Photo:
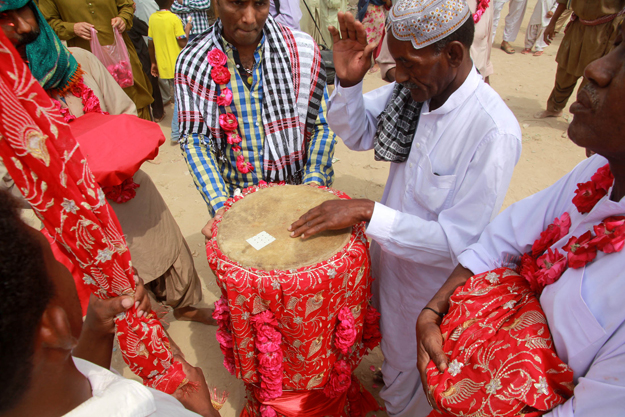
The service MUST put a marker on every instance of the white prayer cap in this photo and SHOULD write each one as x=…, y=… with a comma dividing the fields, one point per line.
x=424, y=22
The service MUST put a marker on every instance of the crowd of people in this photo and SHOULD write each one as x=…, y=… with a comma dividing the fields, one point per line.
x=252, y=105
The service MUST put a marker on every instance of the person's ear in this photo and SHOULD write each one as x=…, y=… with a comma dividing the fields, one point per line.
x=55, y=331
x=455, y=52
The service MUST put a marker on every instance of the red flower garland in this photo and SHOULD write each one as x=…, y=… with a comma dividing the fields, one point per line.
x=345, y=335
x=482, y=5
x=267, y=341
x=224, y=334
x=541, y=269
x=340, y=379
x=227, y=121
x=371, y=335
x=122, y=192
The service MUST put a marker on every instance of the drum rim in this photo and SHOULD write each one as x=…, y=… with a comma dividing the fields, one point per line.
x=358, y=233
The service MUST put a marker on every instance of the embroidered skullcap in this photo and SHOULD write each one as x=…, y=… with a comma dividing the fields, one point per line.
x=424, y=22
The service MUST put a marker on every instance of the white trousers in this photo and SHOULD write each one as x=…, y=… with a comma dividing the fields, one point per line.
x=513, y=19
x=402, y=393
x=534, y=37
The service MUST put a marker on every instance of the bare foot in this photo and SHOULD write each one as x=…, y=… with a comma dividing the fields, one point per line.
x=547, y=113
x=526, y=51
x=202, y=315
x=538, y=53
x=374, y=68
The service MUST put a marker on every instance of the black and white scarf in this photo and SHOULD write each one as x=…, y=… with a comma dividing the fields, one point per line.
x=294, y=79
x=397, y=125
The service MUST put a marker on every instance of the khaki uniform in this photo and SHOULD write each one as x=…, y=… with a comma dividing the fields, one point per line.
x=583, y=44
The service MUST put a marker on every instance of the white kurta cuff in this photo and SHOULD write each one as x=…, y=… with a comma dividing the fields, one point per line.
x=470, y=260
x=381, y=222
x=353, y=91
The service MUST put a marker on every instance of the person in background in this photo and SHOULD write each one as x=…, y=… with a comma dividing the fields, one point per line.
x=482, y=45
x=452, y=144
x=72, y=21
x=543, y=12
x=589, y=36
x=195, y=12
x=514, y=19
x=137, y=33
x=53, y=364
x=286, y=12
x=167, y=37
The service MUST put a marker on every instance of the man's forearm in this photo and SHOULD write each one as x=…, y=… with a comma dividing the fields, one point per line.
x=458, y=277
x=556, y=15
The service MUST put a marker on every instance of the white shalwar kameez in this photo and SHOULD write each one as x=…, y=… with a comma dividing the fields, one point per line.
x=538, y=23
x=116, y=396
x=584, y=308
x=434, y=205
x=513, y=19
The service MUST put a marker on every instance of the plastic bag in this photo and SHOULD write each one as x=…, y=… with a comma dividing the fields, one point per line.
x=114, y=57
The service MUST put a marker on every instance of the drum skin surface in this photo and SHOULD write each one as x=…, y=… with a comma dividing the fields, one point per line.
x=273, y=210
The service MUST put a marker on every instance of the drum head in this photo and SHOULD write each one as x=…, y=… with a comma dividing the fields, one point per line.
x=273, y=210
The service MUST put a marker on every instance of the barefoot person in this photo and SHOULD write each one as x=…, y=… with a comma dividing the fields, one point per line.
x=583, y=306
x=589, y=36
x=159, y=251
x=452, y=144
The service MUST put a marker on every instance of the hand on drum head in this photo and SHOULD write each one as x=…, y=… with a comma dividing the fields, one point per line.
x=332, y=215
x=352, y=53
x=207, y=230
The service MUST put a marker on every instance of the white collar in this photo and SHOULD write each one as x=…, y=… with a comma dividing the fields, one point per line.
x=459, y=96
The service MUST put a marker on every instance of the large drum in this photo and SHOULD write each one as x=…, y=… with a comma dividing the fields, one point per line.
x=294, y=316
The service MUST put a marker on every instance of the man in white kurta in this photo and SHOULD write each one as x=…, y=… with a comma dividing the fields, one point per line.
x=436, y=202
x=584, y=308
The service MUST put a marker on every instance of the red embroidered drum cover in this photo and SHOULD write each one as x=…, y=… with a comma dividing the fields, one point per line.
x=501, y=357
x=294, y=336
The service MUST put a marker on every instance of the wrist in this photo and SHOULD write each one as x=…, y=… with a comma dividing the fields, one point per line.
x=366, y=211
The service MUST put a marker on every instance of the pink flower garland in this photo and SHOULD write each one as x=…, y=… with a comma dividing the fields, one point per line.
x=224, y=335
x=122, y=72
x=345, y=334
x=371, y=335
x=541, y=269
x=340, y=379
x=482, y=5
x=227, y=121
x=267, y=341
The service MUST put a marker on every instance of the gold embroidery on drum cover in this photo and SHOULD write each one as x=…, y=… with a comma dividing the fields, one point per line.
x=315, y=381
x=314, y=303
x=461, y=391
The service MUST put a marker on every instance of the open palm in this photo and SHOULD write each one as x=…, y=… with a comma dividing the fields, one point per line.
x=352, y=53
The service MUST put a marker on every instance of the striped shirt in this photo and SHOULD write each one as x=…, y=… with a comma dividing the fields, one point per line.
x=217, y=180
x=196, y=9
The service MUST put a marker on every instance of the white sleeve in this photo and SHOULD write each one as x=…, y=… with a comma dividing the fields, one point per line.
x=513, y=232
x=601, y=392
x=478, y=198
x=353, y=117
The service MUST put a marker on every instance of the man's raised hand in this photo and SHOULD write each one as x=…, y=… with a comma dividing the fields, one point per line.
x=352, y=53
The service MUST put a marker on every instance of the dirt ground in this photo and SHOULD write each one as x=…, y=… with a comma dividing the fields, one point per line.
x=523, y=81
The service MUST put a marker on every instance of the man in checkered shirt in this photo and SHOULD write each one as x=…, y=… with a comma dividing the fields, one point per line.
x=270, y=81
x=196, y=10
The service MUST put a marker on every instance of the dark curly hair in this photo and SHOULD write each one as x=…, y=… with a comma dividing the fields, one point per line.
x=25, y=291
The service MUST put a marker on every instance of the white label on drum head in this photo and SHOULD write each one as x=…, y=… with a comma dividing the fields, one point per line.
x=260, y=240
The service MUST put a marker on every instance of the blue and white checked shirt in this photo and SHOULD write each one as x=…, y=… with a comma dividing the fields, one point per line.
x=216, y=180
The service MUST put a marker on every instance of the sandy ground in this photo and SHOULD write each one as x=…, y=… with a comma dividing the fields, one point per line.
x=523, y=81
